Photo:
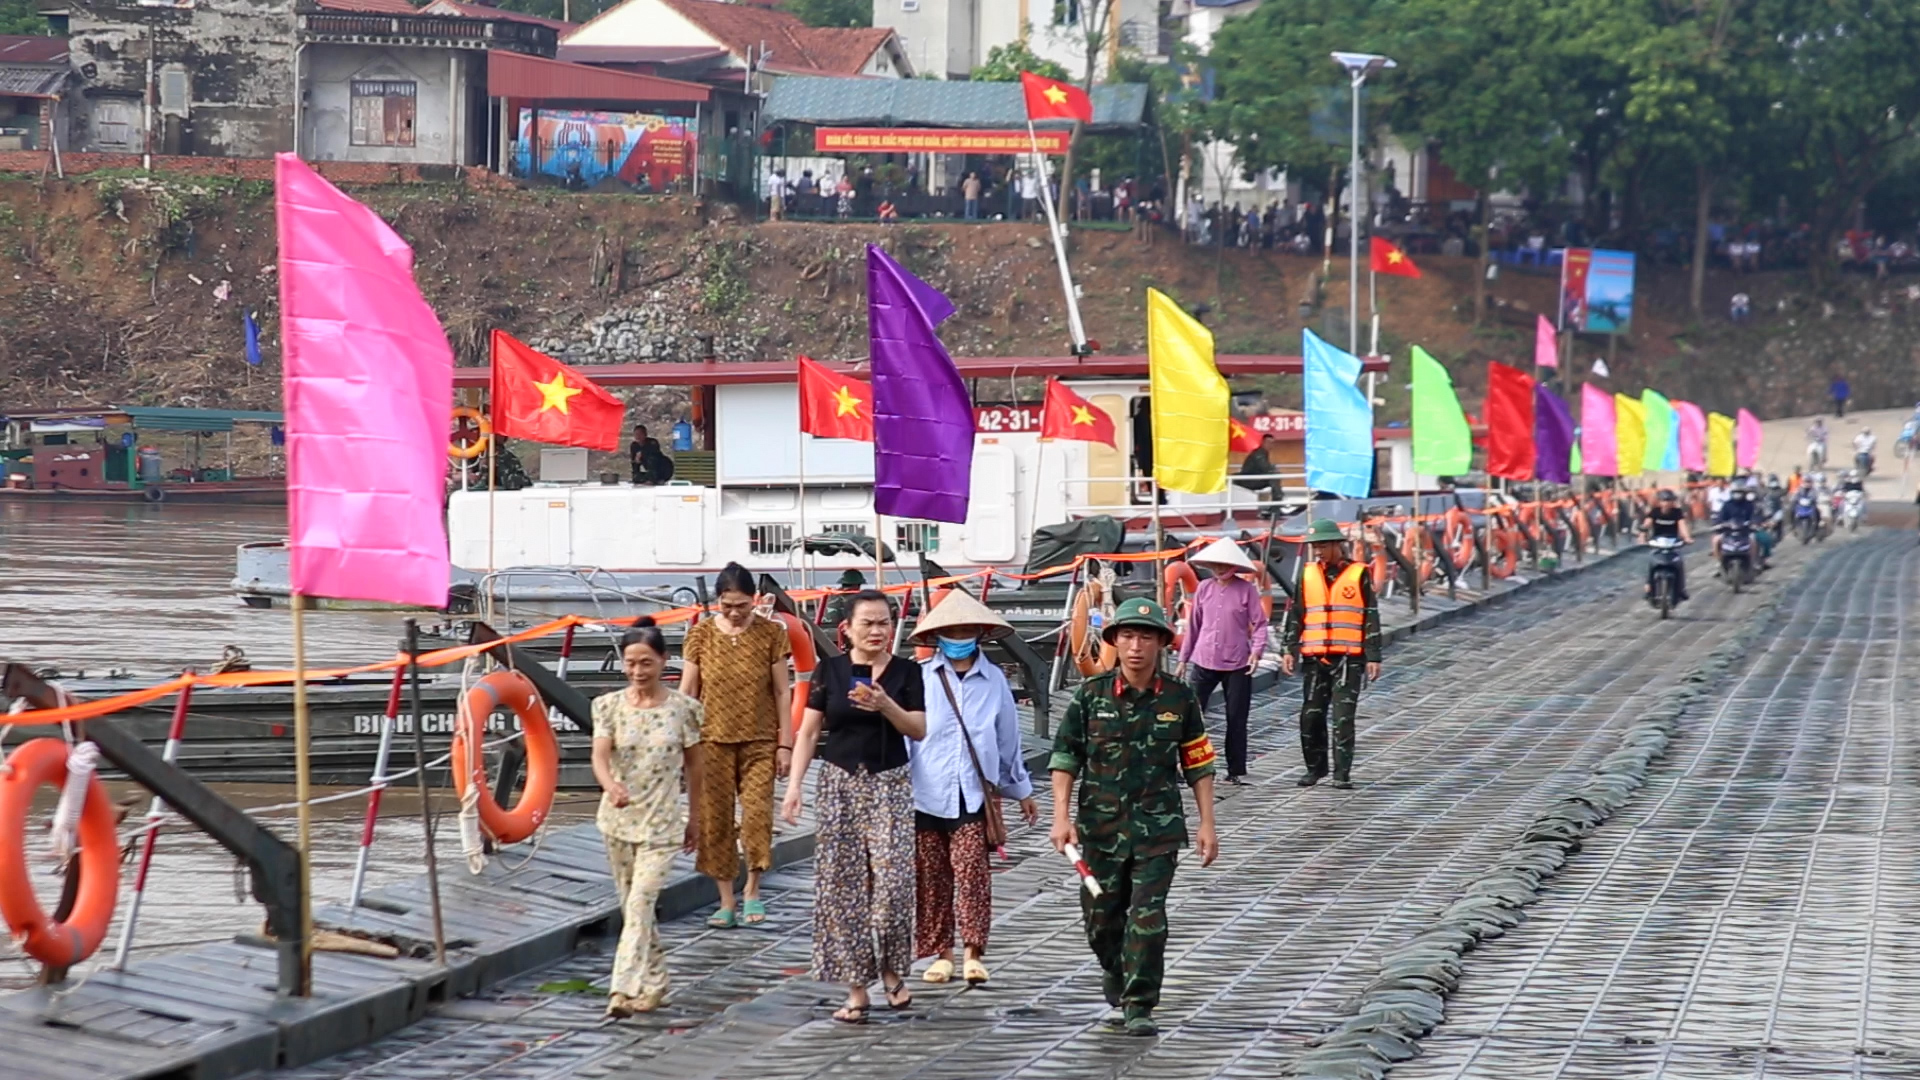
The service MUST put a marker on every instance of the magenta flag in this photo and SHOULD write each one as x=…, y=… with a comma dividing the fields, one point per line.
x=1693, y=436
x=1599, y=454
x=1552, y=437
x=922, y=413
x=1546, y=344
x=368, y=390
x=1746, y=440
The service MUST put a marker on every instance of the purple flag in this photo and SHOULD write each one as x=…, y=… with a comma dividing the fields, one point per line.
x=1552, y=436
x=922, y=413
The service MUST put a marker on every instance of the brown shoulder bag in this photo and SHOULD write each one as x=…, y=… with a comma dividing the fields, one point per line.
x=990, y=792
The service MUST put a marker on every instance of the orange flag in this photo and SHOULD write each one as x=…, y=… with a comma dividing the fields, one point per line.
x=834, y=406
x=1388, y=259
x=537, y=397
x=1067, y=415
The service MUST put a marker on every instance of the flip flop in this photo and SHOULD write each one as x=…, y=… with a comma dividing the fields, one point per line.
x=754, y=910
x=852, y=1014
x=724, y=919
x=894, y=990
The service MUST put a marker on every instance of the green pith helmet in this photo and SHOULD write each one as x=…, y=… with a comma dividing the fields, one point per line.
x=1325, y=531
x=1138, y=612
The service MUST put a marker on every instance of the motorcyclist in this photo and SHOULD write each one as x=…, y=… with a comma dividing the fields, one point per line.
x=1774, y=504
x=1863, y=445
x=1667, y=519
x=1817, y=442
x=1740, y=510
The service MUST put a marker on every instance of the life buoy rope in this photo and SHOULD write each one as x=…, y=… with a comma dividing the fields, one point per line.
x=511, y=690
x=1091, y=655
x=66, y=941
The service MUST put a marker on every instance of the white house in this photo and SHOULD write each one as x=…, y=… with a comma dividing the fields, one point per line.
x=666, y=37
x=949, y=38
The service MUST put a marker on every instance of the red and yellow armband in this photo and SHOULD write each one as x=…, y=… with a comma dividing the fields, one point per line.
x=1196, y=753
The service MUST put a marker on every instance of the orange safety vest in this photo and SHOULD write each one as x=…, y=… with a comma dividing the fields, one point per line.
x=1332, y=624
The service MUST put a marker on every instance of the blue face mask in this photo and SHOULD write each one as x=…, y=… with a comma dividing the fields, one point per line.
x=958, y=648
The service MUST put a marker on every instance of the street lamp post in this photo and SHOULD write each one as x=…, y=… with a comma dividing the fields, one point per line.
x=1358, y=67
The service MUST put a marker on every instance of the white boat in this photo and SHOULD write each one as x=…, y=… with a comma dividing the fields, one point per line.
x=575, y=538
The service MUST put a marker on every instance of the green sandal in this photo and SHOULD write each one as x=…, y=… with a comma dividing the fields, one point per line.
x=724, y=919
x=754, y=911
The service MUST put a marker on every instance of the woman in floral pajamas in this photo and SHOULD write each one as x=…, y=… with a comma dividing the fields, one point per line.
x=643, y=745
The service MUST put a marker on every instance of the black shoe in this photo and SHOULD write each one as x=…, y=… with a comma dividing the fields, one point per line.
x=1310, y=779
x=1142, y=1025
x=1110, y=988
x=1341, y=783
x=1237, y=780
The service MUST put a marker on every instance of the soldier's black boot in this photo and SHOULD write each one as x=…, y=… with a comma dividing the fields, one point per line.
x=1341, y=783
x=1141, y=1023
x=1309, y=779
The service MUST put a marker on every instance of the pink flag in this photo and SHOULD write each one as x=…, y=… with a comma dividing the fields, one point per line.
x=1693, y=436
x=1746, y=440
x=1546, y=344
x=1599, y=455
x=369, y=393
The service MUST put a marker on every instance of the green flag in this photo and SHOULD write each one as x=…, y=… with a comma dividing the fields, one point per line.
x=1663, y=432
x=1442, y=444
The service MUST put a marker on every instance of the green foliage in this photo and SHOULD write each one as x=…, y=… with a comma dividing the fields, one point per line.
x=21, y=17
x=831, y=13
x=1006, y=62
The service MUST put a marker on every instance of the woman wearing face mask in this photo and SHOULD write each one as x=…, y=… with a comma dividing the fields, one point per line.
x=644, y=741
x=1226, y=633
x=863, y=707
x=973, y=735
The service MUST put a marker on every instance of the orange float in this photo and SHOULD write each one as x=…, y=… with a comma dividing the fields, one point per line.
x=54, y=942
x=800, y=644
x=508, y=689
x=1091, y=655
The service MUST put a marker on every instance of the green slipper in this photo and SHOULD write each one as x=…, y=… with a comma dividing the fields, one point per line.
x=754, y=910
x=722, y=919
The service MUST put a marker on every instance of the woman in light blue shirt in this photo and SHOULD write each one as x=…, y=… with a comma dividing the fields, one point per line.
x=979, y=739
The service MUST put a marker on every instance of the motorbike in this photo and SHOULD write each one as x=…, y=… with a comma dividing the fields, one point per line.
x=1736, y=554
x=1806, y=516
x=1816, y=455
x=1863, y=461
x=1664, y=574
x=1853, y=508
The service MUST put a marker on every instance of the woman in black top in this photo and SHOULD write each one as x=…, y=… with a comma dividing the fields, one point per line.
x=869, y=702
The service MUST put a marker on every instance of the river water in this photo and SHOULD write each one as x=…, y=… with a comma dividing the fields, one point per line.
x=146, y=589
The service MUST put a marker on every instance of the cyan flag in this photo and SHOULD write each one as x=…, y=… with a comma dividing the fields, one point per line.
x=1339, y=422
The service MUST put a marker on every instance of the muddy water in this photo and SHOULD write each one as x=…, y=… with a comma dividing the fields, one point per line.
x=145, y=588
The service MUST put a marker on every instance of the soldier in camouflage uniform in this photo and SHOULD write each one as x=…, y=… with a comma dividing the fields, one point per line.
x=1333, y=635
x=1132, y=737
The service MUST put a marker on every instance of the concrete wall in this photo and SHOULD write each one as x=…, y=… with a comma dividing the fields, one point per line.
x=223, y=70
x=938, y=35
x=443, y=79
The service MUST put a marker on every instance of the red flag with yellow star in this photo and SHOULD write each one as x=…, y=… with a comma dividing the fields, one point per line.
x=1388, y=259
x=1051, y=99
x=1242, y=439
x=537, y=397
x=1066, y=415
x=834, y=406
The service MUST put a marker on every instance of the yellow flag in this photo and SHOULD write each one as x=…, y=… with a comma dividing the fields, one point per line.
x=1719, y=445
x=1189, y=401
x=1630, y=433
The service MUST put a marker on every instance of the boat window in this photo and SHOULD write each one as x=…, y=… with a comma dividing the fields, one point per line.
x=844, y=528
x=769, y=538
x=917, y=536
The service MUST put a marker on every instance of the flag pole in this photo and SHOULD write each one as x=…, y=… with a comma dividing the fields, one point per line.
x=493, y=457
x=1373, y=309
x=303, y=792
x=806, y=565
x=1054, y=230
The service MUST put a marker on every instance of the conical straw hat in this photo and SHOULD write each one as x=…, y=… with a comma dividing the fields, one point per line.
x=1222, y=552
x=960, y=609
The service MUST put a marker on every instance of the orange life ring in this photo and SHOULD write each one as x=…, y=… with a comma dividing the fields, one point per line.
x=800, y=644
x=511, y=689
x=1091, y=656
x=1459, y=534
x=925, y=652
x=1178, y=584
x=475, y=447
x=1506, y=551
x=43, y=763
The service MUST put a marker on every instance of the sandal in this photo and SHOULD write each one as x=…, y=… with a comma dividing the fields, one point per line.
x=619, y=1007
x=852, y=1014
x=938, y=972
x=754, y=911
x=894, y=1001
x=976, y=972
x=724, y=919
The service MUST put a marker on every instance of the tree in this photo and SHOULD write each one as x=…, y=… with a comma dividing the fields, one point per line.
x=21, y=17
x=831, y=13
x=1004, y=63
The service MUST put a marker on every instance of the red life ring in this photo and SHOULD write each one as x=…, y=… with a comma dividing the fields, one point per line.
x=800, y=644
x=64, y=943
x=511, y=689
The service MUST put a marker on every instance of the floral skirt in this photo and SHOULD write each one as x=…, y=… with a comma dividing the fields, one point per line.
x=863, y=877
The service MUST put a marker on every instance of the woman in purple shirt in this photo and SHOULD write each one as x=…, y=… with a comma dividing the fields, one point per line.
x=1226, y=633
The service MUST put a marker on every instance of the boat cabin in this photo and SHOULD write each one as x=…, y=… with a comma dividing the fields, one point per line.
x=775, y=496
